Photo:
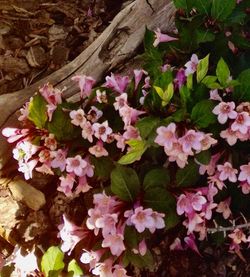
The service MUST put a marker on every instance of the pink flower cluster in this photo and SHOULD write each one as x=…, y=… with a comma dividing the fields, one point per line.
x=239, y=126
x=178, y=149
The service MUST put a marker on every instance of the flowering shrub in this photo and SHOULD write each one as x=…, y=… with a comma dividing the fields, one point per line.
x=168, y=145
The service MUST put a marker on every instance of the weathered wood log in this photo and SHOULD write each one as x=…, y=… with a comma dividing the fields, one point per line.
x=117, y=44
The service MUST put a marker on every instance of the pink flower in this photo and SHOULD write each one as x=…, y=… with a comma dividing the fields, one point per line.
x=131, y=133
x=214, y=95
x=190, y=242
x=191, y=66
x=211, y=167
x=181, y=78
x=44, y=156
x=121, y=101
x=107, y=223
x=119, y=271
x=142, y=219
x=120, y=141
x=98, y=150
x=117, y=83
x=115, y=243
x=91, y=257
x=241, y=123
x=142, y=247
x=15, y=134
x=193, y=222
x=245, y=187
x=138, y=73
x=76, y=165
x=191, y=139
x=103, y=269
x=94, y=114
x=207, y=141
x=177, y=155
x=27, y=167
x=225, y=110
x=214, y=180
x=94, y=215
x=129, y=115
x=24, y=111
x=166, y=136
x=189, y=202
x=45, y=169
x=176, y=245
x=66, y=184
x=245, y=173
x=227, y=172
x=50, y=142
x=59, y=159
x=105, y=203
x=87, y=131
x=230, y=136
x=52, y=95
x=101, y=131
x=158, y=221
x=71, y=235
x=82, y=186
x=85, y=83
x=101, y=96
x=224, y=208
x=159, y=37
x=24, y=150
x=238, y=236
x=78, y=117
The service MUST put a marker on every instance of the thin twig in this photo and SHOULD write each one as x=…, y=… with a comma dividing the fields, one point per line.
x=226, y=229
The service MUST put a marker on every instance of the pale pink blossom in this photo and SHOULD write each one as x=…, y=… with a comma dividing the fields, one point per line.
x=94, y=114
x=120, y=141
x=101, y=96
x=120, y=101
x=214, y=95
x=238, y=236
x=216, y=181
x=230, y=136
x=71, y=235
x=177, y=155
x=190, y=243
x=66, y=184
x=98, y=150
x=52, y=95
x=131, y=133
x=129, y=115
x=189, y=202
x=78, y=117
x=91, y=257
x=241, y=123
x=245, y=187
x=119, y=271
x=89, y=168
x=94, y=215
x=166, y=136
x=87, y=131
x=207, y=141
x=176, y=245
x=227, y=172
x=76, y=165
x=15, y=134
x=138, y=73
x=193, y=221
x=85, y=83
x=59, y=159
x=147, y=83
x=159, y=37
x=117, y=82
x=105, y=203
x=24, y=111
x=82, y=186
x=191, y=66
x=103, y=269
x=45, y=155
x=142, y=247
x=45, y=169
x=107, y=223
x=50, y=142
x=142, y=219
x=208, y=209
x=24, y=150
x=211, y=167
x=180, y=79
x=225, y=110
x=245, y=173
x=191, y=140
x=101, y=130
x=27, y=168
x=224, y=208
x=115, y=243
x=159, y=222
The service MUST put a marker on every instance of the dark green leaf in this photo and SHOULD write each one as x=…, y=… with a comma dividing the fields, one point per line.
x=158, y=177
x=139, y=261
x=184, y=94
x=74, y=268
x=209, y=81
x=222, y=72
x=131, y=237
x=202, y=114
x=147, y=126
x=222, y=9
x=61, y=125
x=202, y=68
x=204, y=35
x=125, y=183
x=188, y=175
x=103, y=167
x=203, y=157
x=181, y=4
x=52, y=260
x=242, y=92
x=38, y=111
x=157, y=198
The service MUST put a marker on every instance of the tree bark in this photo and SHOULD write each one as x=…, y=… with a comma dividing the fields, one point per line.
x=116, y=45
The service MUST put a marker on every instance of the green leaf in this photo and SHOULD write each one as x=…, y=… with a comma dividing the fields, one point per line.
x=75, y=269
x=222, y=72
x=38, y=111
x=125, y=183
x=202, y=68
x=139, y=261
x=61, y=125
x=138, y=147
x=52, y=260
x=202, y=114
x=147, y=125
x=184, y=94
x=181, y=4
x=131, y=237
x=222, y=9
x=158, y=177
x=188, y=175
x=204, y=36
x=103, y=167
x=203, y=157
x=242, y=92
x=157, y=198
